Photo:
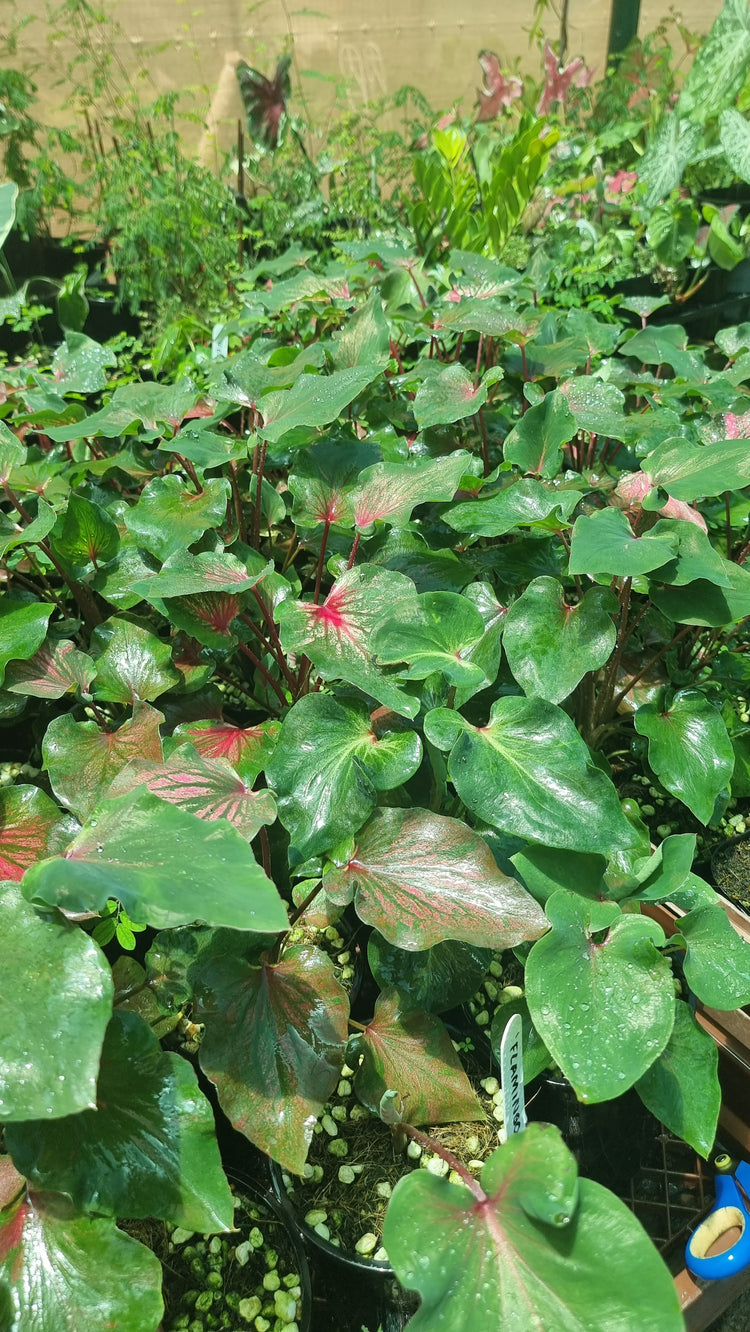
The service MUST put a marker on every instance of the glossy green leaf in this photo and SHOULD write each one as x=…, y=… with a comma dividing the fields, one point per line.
x=184, y=574
x=205, y=616
x=55, y=1003
x=337, y=634
x=56, y=668
x=545, y=869
x=329, y=763
x=152, y=405
x=717, y=963
x=437, y=978
x=169, y=517
x=28, y=820
x=8, y=197
x=148, y=1148
x=688, y=748
x=538, y=1250
x=313, y=400
x=666, y=345
x=165, y=866
x=364, y=339
x=681, y=1088
x=528, y=772
x=702, y=602
x=671, y=231
x=82, y=760
x=735, y=140
x=247, y=748
x=688, y=471
x=322, y=479
x=88, y=534
x=522, y=504
x=409, y=1051
x=603, y=543
x=597, y=407
x=450, y=395
x=12, y=451
x=420, y=878
x=205, y=448
x=274, y=1041
x=550, y=645
x=389, y=492
x=209, y=788
x=131, y=663
x=696, y=557
x=433, y=632
x=80, y=364
x=57, y=1270
x=600, y=994
x=23, y=629
x=536, y=442
x=13, y=533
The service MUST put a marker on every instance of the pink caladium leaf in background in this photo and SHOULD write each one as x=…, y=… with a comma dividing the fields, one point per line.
x=498, y=91
x=559, y=80
x=265, y=100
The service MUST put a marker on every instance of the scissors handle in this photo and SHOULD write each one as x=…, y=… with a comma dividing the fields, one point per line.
x=729, y=1212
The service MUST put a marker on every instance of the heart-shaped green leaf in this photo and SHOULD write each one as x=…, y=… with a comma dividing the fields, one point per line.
x=535, y=443
x=168, y=517
x=410, y=1052
x=165, y=866
x=681, y=1088
x=82, y=760
x=603, y=543
x=210, y=571
x=364, y=339
x=53, y=1014
x=148, y=1148
x=389, y=492
x=437, y=978
x=687, y=471
x=529, y=772
x=550, y=645
x=57, y=1270
x=600, y=994
x=420, y=878
x=88, y=535
x=448, y=396
x=132, y=663
x=323, y=477
x=153, y=405
x=688, y=748
x=522, y=504
x=434, y=632
x=23, y=629
x=717, y=963
x=538, y=1249
x=274, y=1040
x=328, y=765
x=703, y=603
x=314, y=400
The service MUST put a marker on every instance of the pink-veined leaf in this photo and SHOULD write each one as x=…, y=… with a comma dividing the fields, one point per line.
x=185, y=574
x=247, y=748
x=390, y=491
x=409, y=1051
x=57, y=668
x=207, y=616
x=208, y=788
x=27, y=820
x=420, y=878
x=82, y=760
x=498, y=91
x=265, y=100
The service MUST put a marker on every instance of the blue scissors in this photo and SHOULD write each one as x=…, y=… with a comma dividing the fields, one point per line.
x=729, y=1214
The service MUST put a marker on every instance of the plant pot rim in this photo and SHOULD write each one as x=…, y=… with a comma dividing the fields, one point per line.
x=285, y=1214
x=306, y=1233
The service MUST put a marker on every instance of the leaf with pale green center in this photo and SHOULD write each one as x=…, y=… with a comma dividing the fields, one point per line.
x=690, y=471
x=666, y=345
x=604, y=1006
x=56, y=668
x=717, y=963
x=543, y=1251
x=206, y=448
x=313, y=401
x=524, y=503
x=82, y=760
x=434, y=632
x=28, y=819
x=409, y=1051
x=23, y=629
x=54, y=1013
x=274, y=1040
x=681, y=1088
x=337, y=634
x=247, y=748
x=701, y=602
x=165, y=866
x=487, y=652
x=597, y=407
x=529, y=772
x=329, y=763
x=436, y=978
x=603, y=543
x=364, y=339
x=535, y=444
x=451, y=395
x=210, y=571
x=735, y=140
x=420, y=878
x=689, y=749
x=57, y=1270
x=152, y=405
x=148, y=1148
x=79, y=365
x=88, y=534
x=131, y=663
x=389, y=492
x=208, y=788
x=550, y=645
x=169, y=517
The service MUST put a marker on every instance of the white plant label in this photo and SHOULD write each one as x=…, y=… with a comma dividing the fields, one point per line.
x=511, y=1076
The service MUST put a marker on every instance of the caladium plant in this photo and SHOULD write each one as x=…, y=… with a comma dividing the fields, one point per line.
x=380, y=613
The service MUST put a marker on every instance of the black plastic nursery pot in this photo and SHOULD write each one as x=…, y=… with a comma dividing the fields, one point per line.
x=608, y=1140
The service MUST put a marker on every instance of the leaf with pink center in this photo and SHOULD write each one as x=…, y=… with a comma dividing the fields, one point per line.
x=57, y=668
x=314, y=400
x=420, y=878
x=337, y=634
x=82, y=760
x=274, y=1040
x=451, y=395
x=207, y=616
x=247, y=748
x=27, y=821
x=184, y=574
x=208, y=788
x=409, y=1051
x=389, y=492
x=323, y=478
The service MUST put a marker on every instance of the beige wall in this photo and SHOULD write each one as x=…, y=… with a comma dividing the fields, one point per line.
x=364, y=47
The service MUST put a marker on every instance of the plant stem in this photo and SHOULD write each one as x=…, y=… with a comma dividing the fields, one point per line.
x=237, y=500
x=485, y=446
x=656, y=657
x=265, y=852
x=261, y=459
x=302, y=908
x=321, y=561
x=258, y=664
x=601, y=709
x=354, y=549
